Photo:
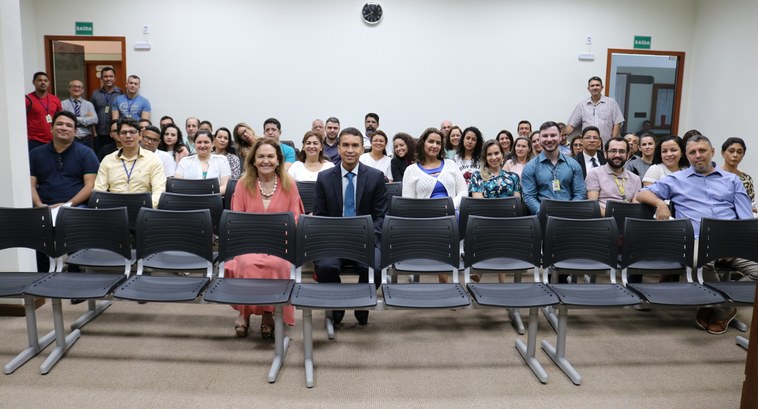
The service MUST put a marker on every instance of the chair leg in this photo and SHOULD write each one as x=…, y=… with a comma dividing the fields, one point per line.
x=515, y=316
x=527, y=351
x=558, y=354
x=743, y=342
x=93, y=310
x=62, y=342
x=308, y=346
x=552, y=319
x=281, y=344
x=329, y=324
x=738, y=325
x=35, y=344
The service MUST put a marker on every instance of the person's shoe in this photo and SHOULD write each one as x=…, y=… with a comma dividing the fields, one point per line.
x=267, y=331
x=719, y=326
x=361, y=316
x=337, y=316
x=77, y=301
x=240, y=327
x=703, y=318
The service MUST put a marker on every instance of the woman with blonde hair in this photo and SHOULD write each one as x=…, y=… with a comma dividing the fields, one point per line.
x=244, y=139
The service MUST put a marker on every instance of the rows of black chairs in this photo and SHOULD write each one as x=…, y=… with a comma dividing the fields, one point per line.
x=183, y=241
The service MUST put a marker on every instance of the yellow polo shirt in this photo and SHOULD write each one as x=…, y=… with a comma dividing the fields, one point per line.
x=142, y=173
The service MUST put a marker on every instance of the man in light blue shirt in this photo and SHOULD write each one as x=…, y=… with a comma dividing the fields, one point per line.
x=551, y=174
x=131, y=105
x=704, y=190
x=272, y=128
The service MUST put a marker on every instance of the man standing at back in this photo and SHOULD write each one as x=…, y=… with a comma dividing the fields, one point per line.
x=350, y=189
x=103, y=99
x=131, y=105
x=371, y=121
x=84, y=112
x=524, y=128
x=40, y=108
x=331, y=149
x=272, y=128
x=551, y=174
x=597, y=110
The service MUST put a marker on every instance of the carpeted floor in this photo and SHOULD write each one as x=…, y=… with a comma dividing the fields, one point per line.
x=186, y=356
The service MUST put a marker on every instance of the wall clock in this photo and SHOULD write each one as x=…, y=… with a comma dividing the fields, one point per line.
x=372, y=13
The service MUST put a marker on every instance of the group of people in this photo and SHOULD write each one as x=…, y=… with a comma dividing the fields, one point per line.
x=351, y=167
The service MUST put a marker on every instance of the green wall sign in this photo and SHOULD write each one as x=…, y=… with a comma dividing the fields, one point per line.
x=642, y=42
x=83, y=28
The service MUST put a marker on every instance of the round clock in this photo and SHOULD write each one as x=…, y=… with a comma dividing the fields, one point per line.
x=372, y=13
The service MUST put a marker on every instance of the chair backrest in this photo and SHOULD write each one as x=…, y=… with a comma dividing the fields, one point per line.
x=193, y=186
x=580, y=239
x=231, y=185
x=307, y=192
x=410, y=238
x=132, y=201
x=320, y=237
x=188, y=231
x=657, y=245
x=81, y=229
x=29, y=228
x=178, y=201
x=394, y=189
x=620, y=211
x=570, y=209
x=415, y=208
x=727, y=238
x=494, y=207
x=518, y=238
x=261, y=233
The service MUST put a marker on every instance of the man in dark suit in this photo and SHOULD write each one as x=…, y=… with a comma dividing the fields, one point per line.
x=332, y=198
x=591, y=156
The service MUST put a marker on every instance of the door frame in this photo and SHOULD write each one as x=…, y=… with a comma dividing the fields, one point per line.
x=48, y=39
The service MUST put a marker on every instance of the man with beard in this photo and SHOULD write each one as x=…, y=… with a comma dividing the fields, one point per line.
x=551, y=174
x=612, y=181
x=331, y=150
x=40, y=108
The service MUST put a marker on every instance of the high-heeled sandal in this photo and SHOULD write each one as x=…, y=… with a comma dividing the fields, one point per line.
x=267, y=330
x=241, y=328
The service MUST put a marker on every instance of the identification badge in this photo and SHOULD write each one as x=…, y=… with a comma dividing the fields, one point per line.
x=556, y=185
x=49, y=119
x=107, y=109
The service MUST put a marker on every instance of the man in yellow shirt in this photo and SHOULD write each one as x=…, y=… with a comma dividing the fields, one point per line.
x=131, y=169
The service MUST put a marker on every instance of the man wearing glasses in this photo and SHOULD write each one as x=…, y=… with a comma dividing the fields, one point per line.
x=131, y=169
x=86, y=118
x=590, y=157
x=151, y=137
x=62, y=172
x=612, y=181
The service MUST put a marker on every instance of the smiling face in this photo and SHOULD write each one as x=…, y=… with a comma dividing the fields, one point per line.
x=616, y=154
x=221, y=142
x=266, y=160
x=524, y=129
x=522, y=149
x=170, y=136
x=432, y=147
x=455, y=137
x=577, y=146
x=733, y=155
x=647, y=146
x=64, y=130
x=312, y=147
x=503, y=140
x=494, y=158
x=591, y=142
x=550, y=138
x=595, y=88
x=132, y=85
x=129, y=136
x=535, y=137
x=378, y=143
x=203, y=145
x=401, y=149
x=350, y=148
x=109, y=78
x=700, y=155
x=670, y=154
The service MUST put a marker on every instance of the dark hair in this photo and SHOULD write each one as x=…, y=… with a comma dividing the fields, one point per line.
x=382, y=134
x=350, y=131
x=273, y=121
x=689, y=134
x=107, y=68
x=230, y=147
x=152, y=128
x=476, y=154
x=206, y=123
x=549, y=124
x=125, y=121
x=579, y=137
x=590, y=128
x=528, y=144
x=179, y=139
x=524, y=121
x=371, y=115
x=67, y=114
x=206, y=133
x=595, y=78
x=135, y=77
x=657, y=158
x=409, y=157
x=320, y=137
x=39, y=73
x=509, y=135
x=617, y=139
x=448, y=144
x=422, y=140
x=731, y=141
x=166, y=117
x=149, y=122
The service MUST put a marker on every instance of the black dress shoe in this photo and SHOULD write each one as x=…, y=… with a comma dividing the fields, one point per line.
x=361, y=316
x=75, y=301
x=337, y=316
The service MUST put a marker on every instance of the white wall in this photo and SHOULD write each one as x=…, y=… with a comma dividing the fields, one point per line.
x=480, y=62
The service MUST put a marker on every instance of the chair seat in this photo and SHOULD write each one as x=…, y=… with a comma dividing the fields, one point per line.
x=513, y=295
x=75, y=285
x=245, y=291
x=656, y=265
x=595, y=295
x=502, y=264
x=100, y=258
x=14, y=284
x=689, y=294
x=581, y=264
x=425, y=295
x=161, y=289
x=737, y=291
x=423, y=266
x=176, y=260
x=334, y=295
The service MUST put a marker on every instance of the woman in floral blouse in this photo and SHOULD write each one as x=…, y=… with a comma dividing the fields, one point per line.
x=491, y=180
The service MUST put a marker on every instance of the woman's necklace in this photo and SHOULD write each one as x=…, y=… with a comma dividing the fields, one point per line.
x=313, y=166
x=273, y=190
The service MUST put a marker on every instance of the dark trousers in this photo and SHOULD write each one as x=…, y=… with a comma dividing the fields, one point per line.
x=328, y=269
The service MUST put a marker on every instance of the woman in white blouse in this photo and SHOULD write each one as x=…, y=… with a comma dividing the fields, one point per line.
x=204, y=164
x=377, y=158
x=668, y=158
x=310, y=160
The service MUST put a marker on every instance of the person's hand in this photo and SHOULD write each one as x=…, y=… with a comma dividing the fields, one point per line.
x=662, y=212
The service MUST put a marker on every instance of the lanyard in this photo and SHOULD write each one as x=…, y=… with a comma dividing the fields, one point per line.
x=620, y=185
x=128, y=172
x=47, y=98
x=130, y=102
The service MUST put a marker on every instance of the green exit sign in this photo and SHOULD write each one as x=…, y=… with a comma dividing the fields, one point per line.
x=83, y=28
x=642, y=42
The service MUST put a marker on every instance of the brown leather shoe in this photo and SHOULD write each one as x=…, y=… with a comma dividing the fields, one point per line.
x=718, y=327
x=703, y=318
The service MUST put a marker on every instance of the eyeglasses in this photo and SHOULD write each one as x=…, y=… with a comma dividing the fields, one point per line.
x=149, y=139
x=617, y=151
x=129, y=132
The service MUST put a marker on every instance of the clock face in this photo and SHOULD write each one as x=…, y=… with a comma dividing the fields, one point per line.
x=372, y=13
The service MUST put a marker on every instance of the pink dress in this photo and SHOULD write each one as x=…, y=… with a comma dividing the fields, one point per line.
x=263, y=265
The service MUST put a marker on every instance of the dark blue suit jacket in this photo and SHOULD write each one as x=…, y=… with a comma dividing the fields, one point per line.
x=370, y=195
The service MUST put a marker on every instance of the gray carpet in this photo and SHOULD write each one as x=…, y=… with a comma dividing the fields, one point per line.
x=186, y=356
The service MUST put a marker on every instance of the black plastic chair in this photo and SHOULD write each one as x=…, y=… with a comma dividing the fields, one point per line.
x=509, y=245
x=307, y=192
x=176, y=241
x=586, y=245
x=132, y=201
x=411, y=207
x=29, y=228
x=193, y=186
x=394, y=189
x=620, y=211
x=90, y=237
x=178, y=201
x=231, y=186
x=321, y=237
x=264, y=233
x=573, y=209
x=729, y=238
x=495, y=207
